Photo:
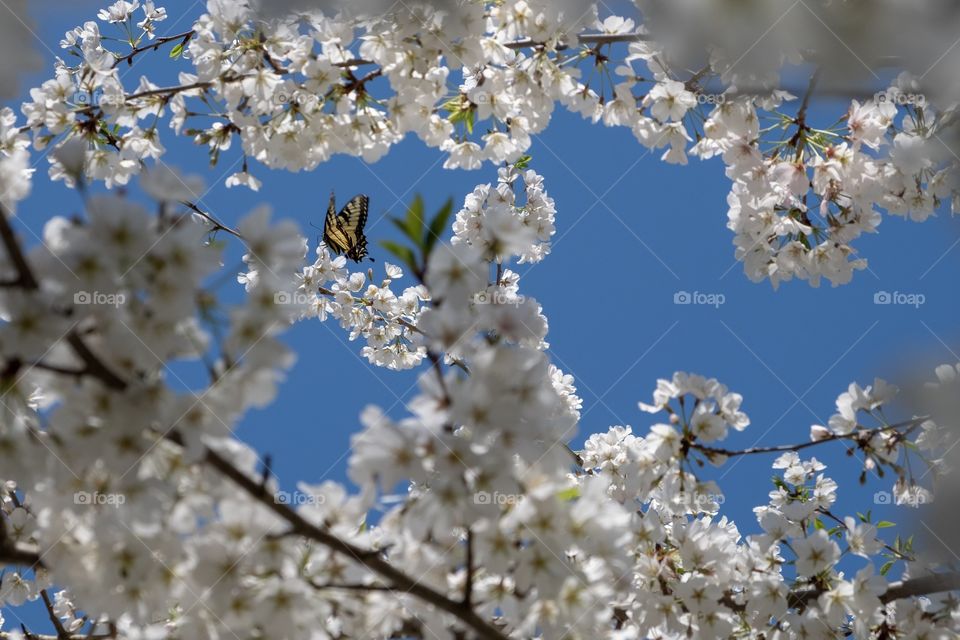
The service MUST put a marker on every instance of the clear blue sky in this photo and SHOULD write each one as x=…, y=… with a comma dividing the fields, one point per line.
x=631, y=232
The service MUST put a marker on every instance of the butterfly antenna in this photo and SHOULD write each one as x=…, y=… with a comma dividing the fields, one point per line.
x=320, y=229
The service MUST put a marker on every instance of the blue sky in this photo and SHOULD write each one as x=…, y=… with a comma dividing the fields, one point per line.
x=631, y=233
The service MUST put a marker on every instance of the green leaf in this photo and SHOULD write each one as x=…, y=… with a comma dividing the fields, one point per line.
x=886, y=567
x=176, y=51
x=818, y=525
x=405, y=254
x=402, y=225
x=885, y=524
x=437, y=226
x=569, y=494
x=414, y=221
x=523, y=162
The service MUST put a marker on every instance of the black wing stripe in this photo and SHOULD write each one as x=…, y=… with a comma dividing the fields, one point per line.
x=343, y=232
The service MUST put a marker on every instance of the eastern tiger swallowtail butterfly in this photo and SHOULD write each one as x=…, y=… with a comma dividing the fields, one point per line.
x=343, y=232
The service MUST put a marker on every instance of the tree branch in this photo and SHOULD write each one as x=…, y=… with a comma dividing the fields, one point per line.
x=12, y=553
x=62, y=633
x=910, y=588
x=94, y=366
x=217, y=225
x=862, y=434
x=588, y=38
x=399, y=581
x=155, y=44
x=922, y=586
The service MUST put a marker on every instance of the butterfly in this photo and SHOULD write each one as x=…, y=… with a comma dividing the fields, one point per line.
x=343, y=232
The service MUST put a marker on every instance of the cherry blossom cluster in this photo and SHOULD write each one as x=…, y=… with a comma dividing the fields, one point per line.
x=478, y=80
x=492, y=216
x=502, y=530
x=130, y=510
x=797, y=207
x=388, y=322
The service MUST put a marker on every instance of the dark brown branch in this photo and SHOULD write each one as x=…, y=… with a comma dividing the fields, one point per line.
x=398, y=580
x=922, y=586
x=62, y=633
x=19, y=260
x=352, y=586
x=217, y=225
x=862, y=434
x=94, y=366
x=155, y=44
x=911, y=588
x=471, y=569
x=588, y=38
x=12, y=553
x=805, y=104
x=169, y=90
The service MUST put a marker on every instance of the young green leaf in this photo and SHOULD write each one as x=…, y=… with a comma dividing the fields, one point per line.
x=405, y=254
x=414, y=219
x=437, y=226
x=523, y=162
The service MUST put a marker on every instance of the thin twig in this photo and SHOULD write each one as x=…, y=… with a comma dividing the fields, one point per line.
x=863, y=434
x=155, y=44
x=62, y=633
x=217, y=225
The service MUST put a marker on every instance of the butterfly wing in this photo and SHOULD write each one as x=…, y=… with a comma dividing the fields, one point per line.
x=334, y=237
x=350, y=223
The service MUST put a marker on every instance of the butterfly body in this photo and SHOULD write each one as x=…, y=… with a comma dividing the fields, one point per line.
x=343, y=231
